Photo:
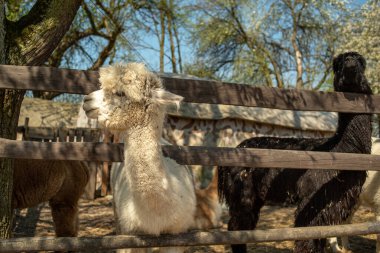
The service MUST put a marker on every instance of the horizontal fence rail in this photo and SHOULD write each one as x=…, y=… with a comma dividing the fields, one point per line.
x=193, y=90
x=192, y=155
x=185, y=239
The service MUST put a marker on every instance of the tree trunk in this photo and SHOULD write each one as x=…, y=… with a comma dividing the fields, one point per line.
x=2, y=32
x=297, y=51
x=9, y=100
x=162, y=38
x=32, y=39
x=28, y=41
x=5, y=198
x=175, y=30
x=6, y=171
x=298, y=56
x=171, y=39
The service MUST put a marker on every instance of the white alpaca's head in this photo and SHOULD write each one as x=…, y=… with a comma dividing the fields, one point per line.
x=130, y=95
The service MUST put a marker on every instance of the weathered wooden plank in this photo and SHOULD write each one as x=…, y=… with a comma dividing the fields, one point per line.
x=48, y=79
x=86, y=151
x=105, y=168
x=184, y=239
x=271, y=158
x=194, y=90
x=265, y=158
x=79, y=134
x=62, y=134
x=212, y=92
x=41, y=132
x=71, y=135
x=74, y=134
x=91, y=135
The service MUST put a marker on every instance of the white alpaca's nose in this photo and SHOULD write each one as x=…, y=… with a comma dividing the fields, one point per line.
x=92, y=102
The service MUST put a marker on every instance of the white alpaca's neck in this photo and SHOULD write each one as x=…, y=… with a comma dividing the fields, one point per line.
x=144, y=167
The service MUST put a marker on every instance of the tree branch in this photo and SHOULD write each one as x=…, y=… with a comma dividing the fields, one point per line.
x=109, y=14
x=106, y=51
x=90, y=17
x=66, y=43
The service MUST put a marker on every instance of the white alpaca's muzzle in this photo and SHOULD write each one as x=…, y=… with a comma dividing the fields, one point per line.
x=92, y=103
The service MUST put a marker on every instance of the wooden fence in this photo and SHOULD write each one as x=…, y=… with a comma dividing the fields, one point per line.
x=197, y=91
x=58, y=134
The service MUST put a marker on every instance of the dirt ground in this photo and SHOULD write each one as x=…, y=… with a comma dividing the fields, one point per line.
x=96, y=219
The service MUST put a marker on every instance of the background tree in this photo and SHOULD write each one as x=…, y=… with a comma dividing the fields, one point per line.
x=163, y=20
x=362, y=34
x=29, y=40
x=101, y=27
x=277, y=43
x=92, y=39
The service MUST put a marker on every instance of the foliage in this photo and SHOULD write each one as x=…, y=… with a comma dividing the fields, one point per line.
x=98, y=29
x=94, y=35
x=109, y=31
x=17, y=8
x=162, y=21
x=362, y=34
x=285, y=43
x=273, y=43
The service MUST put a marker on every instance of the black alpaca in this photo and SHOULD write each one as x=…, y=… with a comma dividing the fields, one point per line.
x=323, y=197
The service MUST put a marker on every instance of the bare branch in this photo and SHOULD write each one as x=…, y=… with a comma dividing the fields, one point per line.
x=106, y=51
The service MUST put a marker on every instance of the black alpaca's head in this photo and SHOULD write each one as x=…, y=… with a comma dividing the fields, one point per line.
x=349, y=75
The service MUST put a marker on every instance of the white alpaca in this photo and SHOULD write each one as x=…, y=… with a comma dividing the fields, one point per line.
x=370, y=196
x=152, y=194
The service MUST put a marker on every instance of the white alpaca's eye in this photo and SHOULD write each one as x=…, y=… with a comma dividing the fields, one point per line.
x=120, y=93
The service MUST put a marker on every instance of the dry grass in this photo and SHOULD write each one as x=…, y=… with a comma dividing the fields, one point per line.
x=97, y=220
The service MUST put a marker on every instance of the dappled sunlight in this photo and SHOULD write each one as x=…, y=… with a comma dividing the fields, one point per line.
x=96, y=219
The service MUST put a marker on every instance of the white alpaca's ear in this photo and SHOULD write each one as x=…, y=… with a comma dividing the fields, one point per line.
x=164, y=97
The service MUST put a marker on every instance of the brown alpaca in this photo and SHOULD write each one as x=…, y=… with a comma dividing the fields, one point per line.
x=59, y=182
x=209, y=210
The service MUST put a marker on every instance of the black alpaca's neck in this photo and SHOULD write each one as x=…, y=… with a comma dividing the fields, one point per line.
x=353, y=133
x=354, y=130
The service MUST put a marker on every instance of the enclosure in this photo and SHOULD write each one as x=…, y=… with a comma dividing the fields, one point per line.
x=196, y=91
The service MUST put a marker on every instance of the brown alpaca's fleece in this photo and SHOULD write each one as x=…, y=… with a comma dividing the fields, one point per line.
x=59, y=182
x=209, y=209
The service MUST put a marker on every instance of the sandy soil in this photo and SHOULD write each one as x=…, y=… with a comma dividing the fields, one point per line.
x=96, y=219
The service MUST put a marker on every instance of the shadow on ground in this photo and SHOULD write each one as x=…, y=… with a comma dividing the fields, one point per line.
x=96, y=219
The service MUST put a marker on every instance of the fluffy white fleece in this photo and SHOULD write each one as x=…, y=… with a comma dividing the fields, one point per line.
x=152, y=194
x=370, y=196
